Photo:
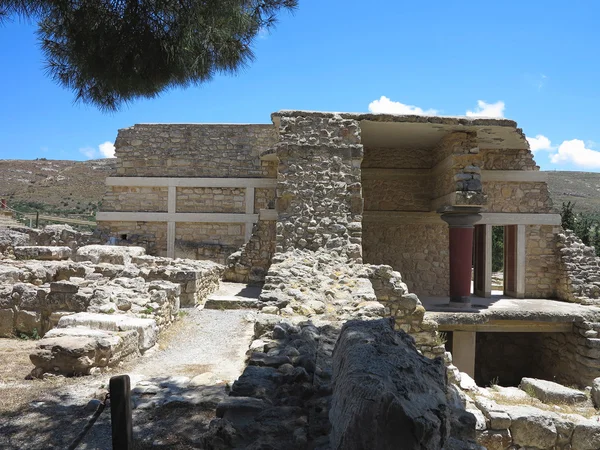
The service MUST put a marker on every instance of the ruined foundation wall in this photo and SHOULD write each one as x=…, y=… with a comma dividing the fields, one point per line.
x=213, y=241
x=418, y=251
x=150, y=235
x=579, y=270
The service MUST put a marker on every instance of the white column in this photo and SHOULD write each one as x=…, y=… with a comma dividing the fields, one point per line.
x=463, y=351
x=521, y=252
x=172, y=199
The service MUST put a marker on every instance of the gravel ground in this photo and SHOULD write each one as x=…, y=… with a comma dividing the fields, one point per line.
x=51, y=415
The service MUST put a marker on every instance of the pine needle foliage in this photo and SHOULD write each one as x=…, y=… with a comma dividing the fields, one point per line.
x=110, y=52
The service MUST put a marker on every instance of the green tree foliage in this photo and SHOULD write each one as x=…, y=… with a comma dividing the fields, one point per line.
x=110, y=52
x=586, y=226
x=497, y=248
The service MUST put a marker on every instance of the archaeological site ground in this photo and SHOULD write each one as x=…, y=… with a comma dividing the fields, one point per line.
x=324, y=281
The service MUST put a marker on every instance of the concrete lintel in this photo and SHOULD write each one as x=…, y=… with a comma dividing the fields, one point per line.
x=402, y=217
x=249, y=200
x=170, y=239
x=519, y=219
x=509, y=326
x=514, y=176
x=172, y=199
x=192, y=182
x=175, y=217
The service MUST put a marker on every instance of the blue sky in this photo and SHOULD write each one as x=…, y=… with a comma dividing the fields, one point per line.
x=531, y=61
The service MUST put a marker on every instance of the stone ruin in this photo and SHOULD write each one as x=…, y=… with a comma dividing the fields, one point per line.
x=371, y=237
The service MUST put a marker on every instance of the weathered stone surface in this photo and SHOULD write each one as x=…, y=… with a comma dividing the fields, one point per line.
x=108, y=254
x=75, y=351
x=42, y=253
x=595, y=393
x=28, y=322
x=494, y=439
x=146, y=329
x=378, y=401
x=6, y=322
x=586, y=436
x=550, y=392
x=532, y=427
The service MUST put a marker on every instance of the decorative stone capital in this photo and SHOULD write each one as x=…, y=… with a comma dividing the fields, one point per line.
x=460, y=216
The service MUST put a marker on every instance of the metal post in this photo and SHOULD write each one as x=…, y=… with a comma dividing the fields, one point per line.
x=120, y=412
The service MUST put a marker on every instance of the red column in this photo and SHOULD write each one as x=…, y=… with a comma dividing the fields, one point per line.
x=3, y=203
x=461, y=255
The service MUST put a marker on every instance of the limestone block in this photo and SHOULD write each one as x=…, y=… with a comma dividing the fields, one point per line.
x=6, y=322
x=27, y=321
x=66, y=287
x=532, y=427
x=74, y=351
x=147, y=330
x=108, y=254
x=494, y=439
x=596, y=392
x=550, y=392
x=46, y=253
x=586, y=436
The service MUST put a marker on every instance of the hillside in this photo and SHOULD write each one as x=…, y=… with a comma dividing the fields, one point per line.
x=55, y=187
x=76, y=188
x=581, y=188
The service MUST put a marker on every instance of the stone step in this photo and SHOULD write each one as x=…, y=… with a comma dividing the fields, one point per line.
x=550, y=392
x=231, y=303
x=146, y=328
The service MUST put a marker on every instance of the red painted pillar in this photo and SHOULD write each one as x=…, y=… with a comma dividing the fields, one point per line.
x=3, y=203
x=461, y=255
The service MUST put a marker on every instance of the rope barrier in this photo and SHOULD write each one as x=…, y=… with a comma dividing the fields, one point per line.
x=90, y=423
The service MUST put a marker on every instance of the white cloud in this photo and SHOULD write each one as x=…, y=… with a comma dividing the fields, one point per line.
x=540, y=142
x=576, y=152
x=107, y=150
x=385, y=106
x=104, y=150
x=491, y=110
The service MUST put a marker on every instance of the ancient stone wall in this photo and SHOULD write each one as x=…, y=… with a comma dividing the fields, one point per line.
x=397, y=158
x=214, y=241
x=194, y=150
x=418, y=251
x=408, y=193
x=150, y=235
x=507, y=159
x=251, y=262
x=134, y=198
x=218, y=200
x=517, y=197
x=541, y=261
x=319, y=200
x=579, y=270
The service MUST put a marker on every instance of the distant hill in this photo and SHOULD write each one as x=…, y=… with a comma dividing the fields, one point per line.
x=581, y=188
x=63, y=188
x=76, y=188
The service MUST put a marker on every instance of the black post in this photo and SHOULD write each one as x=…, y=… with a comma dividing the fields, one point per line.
x=120, y=412
x=37, y=219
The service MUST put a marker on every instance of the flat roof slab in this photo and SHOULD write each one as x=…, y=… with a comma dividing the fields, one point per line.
x=500, y=313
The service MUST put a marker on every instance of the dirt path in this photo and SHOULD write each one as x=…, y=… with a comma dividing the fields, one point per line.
x=169, y=411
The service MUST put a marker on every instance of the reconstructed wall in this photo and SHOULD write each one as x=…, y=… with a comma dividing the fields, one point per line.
x=579, y=270
x=542, y=272
x=396, y=158
x=251, y=262
x=219, y=200
x=135, y=198
x=507, y=159
x=409, y=193
x=150, y=235
x=187, y=150
x=214, y=241
x=418, y=251
x=515, y=197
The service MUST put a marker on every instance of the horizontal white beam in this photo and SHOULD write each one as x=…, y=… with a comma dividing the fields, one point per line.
x=406, y=217
x=519, y=219
x=514, y=176
x=268, y=214
x=192, y=182
x=392, y=174
x=175, y=217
